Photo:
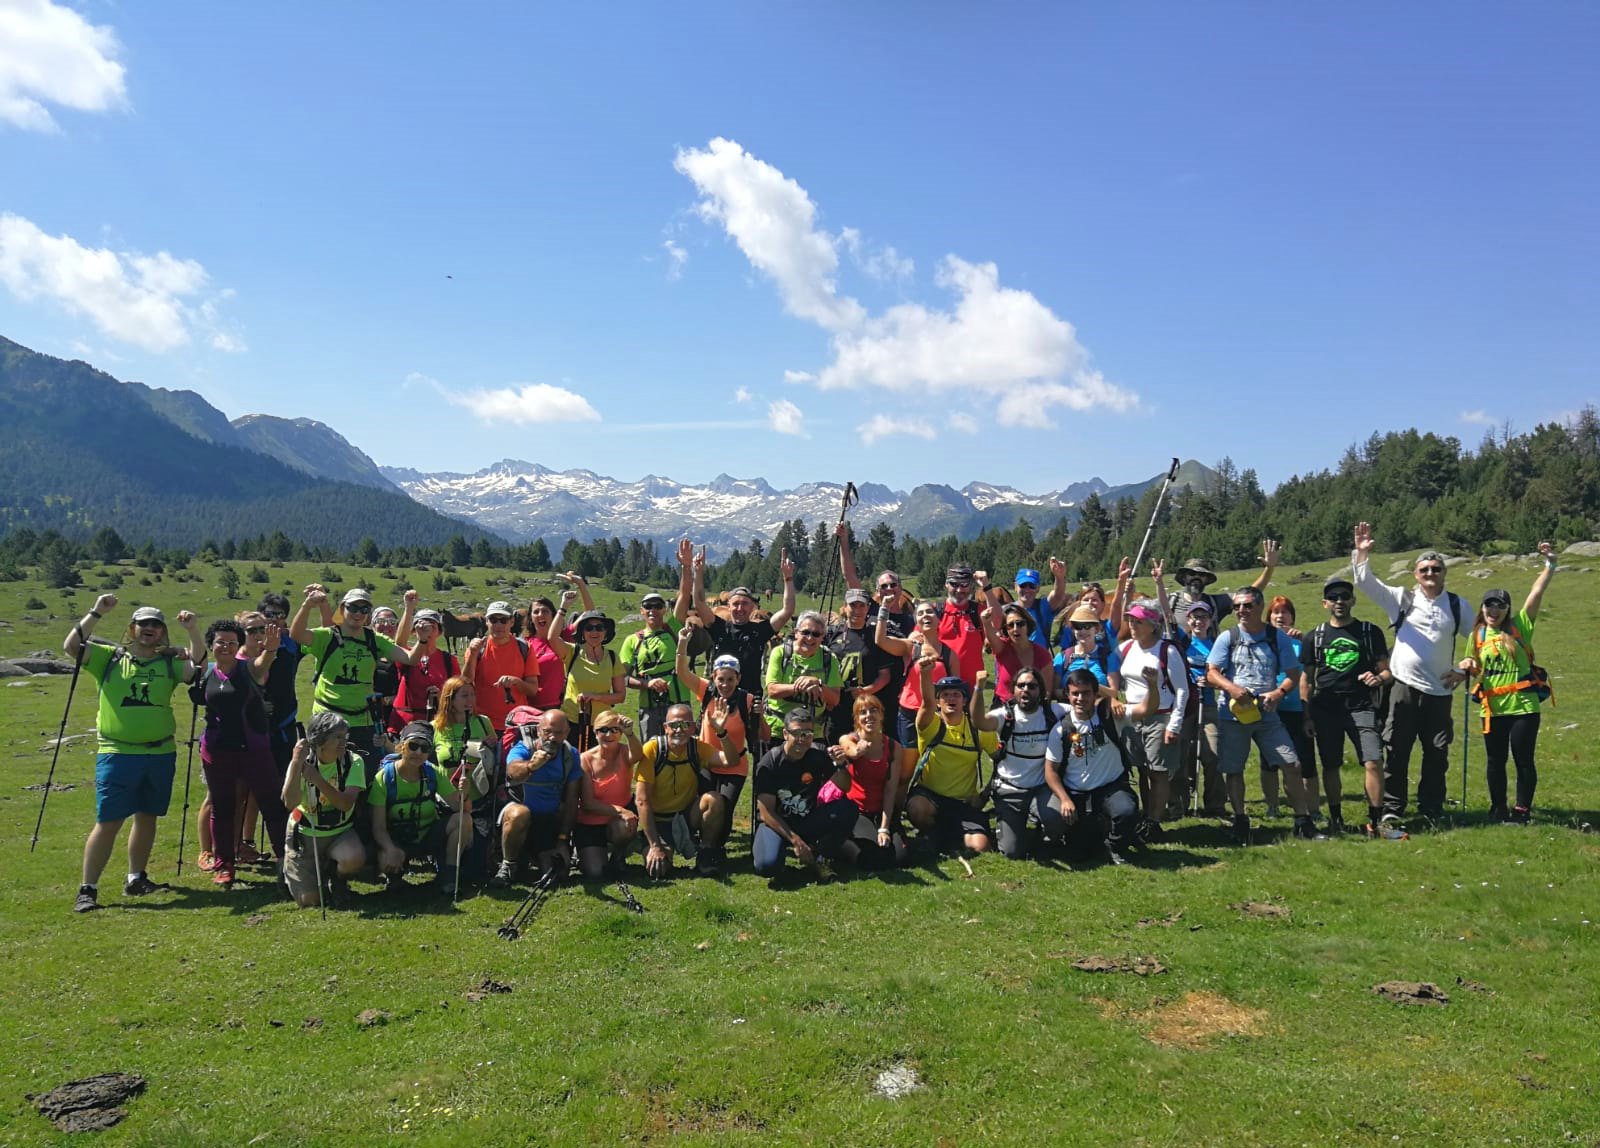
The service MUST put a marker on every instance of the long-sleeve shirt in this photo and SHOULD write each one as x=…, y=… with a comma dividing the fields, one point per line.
x=1425, y=645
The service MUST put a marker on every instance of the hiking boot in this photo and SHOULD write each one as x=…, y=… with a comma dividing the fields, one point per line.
x=1272, y=813
x=1389, y=828
x=1335, y=825
x=88, y=899
x=208, y=861
x=1115, y=857
x=1305, y=828
x=504, y=875
x=1241, y=829
x=1521, y=815
x=445, y=880
x=708, y=863
x=140, y=885
x=336, y=892
x=394, y=883
x=1499, y=814
x=223, y=877
x=1150, y=832
x=248, y=854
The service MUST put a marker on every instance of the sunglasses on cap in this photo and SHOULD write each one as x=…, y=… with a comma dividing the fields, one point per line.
x=1496, y=604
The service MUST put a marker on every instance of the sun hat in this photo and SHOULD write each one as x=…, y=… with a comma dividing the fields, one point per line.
x=1197, y=567
x=1082, y=612
x=595, y=616
x=951, y=682
x=960, y=572
x=148, y=614
x=1144, y=612
x=359, y=594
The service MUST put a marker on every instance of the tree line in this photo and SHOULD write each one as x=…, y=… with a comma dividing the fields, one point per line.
x=1415, y=488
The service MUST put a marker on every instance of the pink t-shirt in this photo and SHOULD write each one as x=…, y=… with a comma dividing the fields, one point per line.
x=1007, y=664
x=552, y=675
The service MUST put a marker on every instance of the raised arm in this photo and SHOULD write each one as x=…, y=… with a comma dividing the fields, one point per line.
x=887, y=641
x=996, y=637
x=1385, y=596
x=680, y=604
x=1157, y=568
x=1269, y=563
x=406, y=614
x=299, y=630
x=693, y=682
x=1119, y=600
x=1535, y=597
x=927, y=713
x=847, y=560
x=1059, y=597
x=261, y=664
x=577, y=581
x=702, y=608
x=780, y=619
x=78, y=636
x=977, y=711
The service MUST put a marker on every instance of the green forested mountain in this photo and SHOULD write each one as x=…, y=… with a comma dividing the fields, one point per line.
x=83, y=451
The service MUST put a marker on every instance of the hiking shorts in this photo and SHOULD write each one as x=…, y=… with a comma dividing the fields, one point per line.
x=544, y=829
x=1332, y=724
x=954, y=819
x=129, y=783
x=1147, y=745
x=429, y=844
x=727, y=786
x=303, y=854
x=1268, y=735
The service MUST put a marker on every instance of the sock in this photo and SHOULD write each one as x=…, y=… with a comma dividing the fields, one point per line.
x=135, y=876
x=92, y=887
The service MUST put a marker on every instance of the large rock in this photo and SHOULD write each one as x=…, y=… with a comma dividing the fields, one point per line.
x=1584, y=549
x=12, y=670
x=35, y=665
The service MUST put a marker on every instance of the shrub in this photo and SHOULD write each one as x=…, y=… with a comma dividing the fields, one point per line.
x=260, y=576
x=33, y=603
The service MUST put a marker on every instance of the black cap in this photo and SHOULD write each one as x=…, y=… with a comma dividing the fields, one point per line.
x=1337, y=584
x=1501, y=596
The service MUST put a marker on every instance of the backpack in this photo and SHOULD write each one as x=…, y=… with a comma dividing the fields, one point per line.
x=1364, y=630
x=694, y=756
x=1536, y=679
x=741, y=704
x=786, y=659
x=331, y=816
x=522, y=724
x=335, y=640
x=1162, y=646
x=1009, y=727
x=1408, y=599
x=1270, y=641
x=390, y=773
x=937, y=740
x=1105, y=729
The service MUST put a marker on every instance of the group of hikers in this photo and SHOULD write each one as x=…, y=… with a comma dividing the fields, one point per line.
x=862, y=736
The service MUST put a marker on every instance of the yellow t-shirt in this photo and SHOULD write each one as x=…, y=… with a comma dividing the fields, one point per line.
x=952, y=767
x=673, y=784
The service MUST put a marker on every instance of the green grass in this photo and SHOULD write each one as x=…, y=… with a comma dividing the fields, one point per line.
x=731, y=1012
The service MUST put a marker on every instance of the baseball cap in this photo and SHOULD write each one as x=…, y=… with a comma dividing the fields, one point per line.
x=857, y=596
x=351, y=597
x=1501, y=596
x=1337, y=584
x=726, y=662
x=958, y=573
x=740, y=592
x=951, y=682
x=417, y=731
x=428, y=616
x=149, y=614
x=1025, y=576
x=502, y=609
x=652, y=597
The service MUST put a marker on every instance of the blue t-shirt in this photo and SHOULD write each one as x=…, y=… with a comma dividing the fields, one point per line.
x=1195, y=651
x=1292, y=702
x=1252, y=663
x=1042, y=617
x=545, y=787
x=1069, y=659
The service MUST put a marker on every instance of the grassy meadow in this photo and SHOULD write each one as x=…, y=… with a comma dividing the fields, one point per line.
x=733, y=1012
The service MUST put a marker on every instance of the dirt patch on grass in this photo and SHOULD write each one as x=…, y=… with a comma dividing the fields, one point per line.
x=1412, y=992
x=1200, y=1019
x=485, y=987
x=667, y=1116
x=1262, y=910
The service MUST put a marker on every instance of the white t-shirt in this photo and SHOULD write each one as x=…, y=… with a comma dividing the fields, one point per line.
x=1023, y=765
x=1083, y=764
x=1425, y=645
x=1136, y=659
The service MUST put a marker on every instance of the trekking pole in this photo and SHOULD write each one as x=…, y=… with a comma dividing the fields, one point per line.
x=537, y=895
x=188, y=772
x=316, y=855
x=629, y=901
x=1155, y=512
x=77, y=664
x=831, y=578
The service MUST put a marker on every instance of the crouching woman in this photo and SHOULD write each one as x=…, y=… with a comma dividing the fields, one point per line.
x=325, y=779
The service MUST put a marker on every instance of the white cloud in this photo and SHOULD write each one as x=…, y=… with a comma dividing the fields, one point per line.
x=51, y=54
x=885, y=264
x=1480, y=418
x=232, y=344
x=997, y=345
x=963, y=422
x=743, y=395
x=133, y=298
x=886, y=426
x=676, y=258
x=786, y=418
x=772, y=219
x=522, y=405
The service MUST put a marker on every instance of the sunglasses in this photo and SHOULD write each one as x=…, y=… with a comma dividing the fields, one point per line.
x=594, y=628
x=274, y=615
x=357, y=608
x=609, y=731
x=1093, y=586
x=888, y=585
x=1247, y=604
x=653, y=606
x=808, y=633
x=801, y=733
x=1430, y=569
x=1086, y=625
x=679, y=724
x=1018, y=625
x=1341, y=596
x=499, y=620
x=1496, y=605
x=255, y=629
x=419, y=744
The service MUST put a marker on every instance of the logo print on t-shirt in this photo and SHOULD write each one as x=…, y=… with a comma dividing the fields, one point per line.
x=138, y=695
x=349, y=673
x=1341, y=654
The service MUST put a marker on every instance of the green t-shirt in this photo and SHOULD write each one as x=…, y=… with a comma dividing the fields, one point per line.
x=135, y=699
x=655, y=655
x=447, y=745
x=410, y=814
x=785, y=668
x=322, y=819
x=1507, y=655
x=346, y=679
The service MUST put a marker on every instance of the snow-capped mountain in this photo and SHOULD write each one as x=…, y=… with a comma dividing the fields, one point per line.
x=523, y=500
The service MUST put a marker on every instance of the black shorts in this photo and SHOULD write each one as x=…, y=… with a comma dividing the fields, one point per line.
x=429, y=844
x=954, y=819
x=591, y=836
x=727, y=786
x=544, y=831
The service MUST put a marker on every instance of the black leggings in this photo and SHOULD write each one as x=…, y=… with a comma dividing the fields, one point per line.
x=1516, y=733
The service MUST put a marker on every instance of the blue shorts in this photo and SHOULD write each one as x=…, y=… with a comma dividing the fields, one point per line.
x=129, y=783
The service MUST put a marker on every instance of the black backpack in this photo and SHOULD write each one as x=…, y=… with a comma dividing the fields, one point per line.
x=336, y=639
x=1408, y=599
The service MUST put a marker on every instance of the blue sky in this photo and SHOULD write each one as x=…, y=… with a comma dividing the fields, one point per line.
x=883, y=242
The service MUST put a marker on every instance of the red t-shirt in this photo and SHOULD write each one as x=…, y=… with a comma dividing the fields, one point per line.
x=552, y=675
x=1006, y=665
x=411, y=702
x=962, y=633
x=868, y=776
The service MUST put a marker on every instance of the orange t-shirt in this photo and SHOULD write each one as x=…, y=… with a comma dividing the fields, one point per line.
x=493, y=663
x=614, y=787
x=738, y=740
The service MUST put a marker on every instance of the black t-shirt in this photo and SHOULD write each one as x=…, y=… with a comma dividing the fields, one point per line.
x=281, y=701
x=1335, y=657
x=746, y=641
x=794, y=783
x=233, y=703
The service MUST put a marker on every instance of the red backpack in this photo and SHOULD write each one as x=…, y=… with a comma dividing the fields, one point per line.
x=522, y=724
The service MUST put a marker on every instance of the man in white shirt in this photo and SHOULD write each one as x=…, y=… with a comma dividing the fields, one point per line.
x=1427, y=619
x=1152, y=740
x=1086, y=769
x=1019, y=791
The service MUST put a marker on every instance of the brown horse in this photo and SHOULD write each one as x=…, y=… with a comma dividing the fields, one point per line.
x=458, y=626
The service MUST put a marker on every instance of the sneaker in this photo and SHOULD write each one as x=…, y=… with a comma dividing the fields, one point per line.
x=88, y=900
x=1306, y=829
x=708, y=863
x=140, y=886
x=223, y=877
x=208, y=861
x=1521, y=815
x=248, y=854
x=1272, y=813
x=445, y=880
x=1389, y=828
x=504, y=875
x=1241, y=829
x=1499, y=814
x=1114, y=857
